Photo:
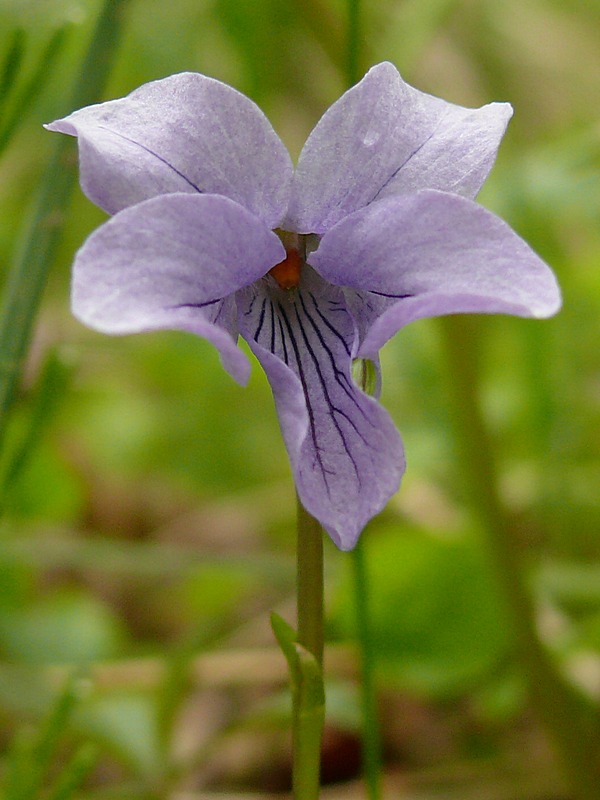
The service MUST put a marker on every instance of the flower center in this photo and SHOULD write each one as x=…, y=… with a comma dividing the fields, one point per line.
x=287, y=272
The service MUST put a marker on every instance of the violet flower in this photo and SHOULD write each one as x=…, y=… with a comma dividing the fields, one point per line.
x=214, y=232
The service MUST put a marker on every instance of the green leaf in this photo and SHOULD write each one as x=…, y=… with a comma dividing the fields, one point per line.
x=286, y=638
x=305, y=672
x=308, y=695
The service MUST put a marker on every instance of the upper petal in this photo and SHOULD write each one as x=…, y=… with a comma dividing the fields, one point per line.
x=174, y=261
x=383, y=137
x=345, y=452
x=433, y=253
x=185, y=133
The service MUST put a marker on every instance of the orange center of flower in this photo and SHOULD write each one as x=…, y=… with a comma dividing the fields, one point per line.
x=287, y=272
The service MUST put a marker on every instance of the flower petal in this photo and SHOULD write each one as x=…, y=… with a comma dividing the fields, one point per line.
x=345, y=452
x=174, y=261
x=433, y=253
x=185, y=133
x=383, y=137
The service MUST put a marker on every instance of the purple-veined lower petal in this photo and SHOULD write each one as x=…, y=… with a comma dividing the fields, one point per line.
x=345, y=452
x=184, y=133
x=174, y=261
x=383, y=137
x=432, y=253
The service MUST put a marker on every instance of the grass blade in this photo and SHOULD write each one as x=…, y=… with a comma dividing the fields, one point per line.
x=73, y=775
x=12, y=63
x=28, y=275
x=31, y=89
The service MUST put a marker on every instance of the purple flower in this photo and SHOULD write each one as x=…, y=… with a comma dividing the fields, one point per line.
x=214, y=232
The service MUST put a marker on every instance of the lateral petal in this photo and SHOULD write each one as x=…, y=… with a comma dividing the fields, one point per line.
x=345, y=452
x=184, y=133
x=383, y=137
x=429, y=254
x=174, y=261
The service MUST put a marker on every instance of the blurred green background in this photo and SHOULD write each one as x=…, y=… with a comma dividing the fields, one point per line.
x=148, y=510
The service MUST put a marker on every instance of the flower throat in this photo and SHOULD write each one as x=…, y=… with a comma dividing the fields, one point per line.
x=287, y=272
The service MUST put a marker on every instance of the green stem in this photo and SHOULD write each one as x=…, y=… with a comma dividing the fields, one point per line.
x=371, y=740
x=27, y=278
x=568, y=717
x=308, y=718
x=310, y=583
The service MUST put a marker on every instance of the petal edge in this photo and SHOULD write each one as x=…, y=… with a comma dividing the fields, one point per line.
x=434, y=253
x=174, y=262
x=186, y=133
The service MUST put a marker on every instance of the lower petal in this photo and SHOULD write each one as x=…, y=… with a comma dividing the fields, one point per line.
x=346, y=455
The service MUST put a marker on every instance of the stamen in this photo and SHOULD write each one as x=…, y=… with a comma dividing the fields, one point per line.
x=287, y=272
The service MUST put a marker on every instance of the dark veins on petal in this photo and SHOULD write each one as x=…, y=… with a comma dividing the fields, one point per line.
x=404, y=163
x=155, y=155
x=394, y=296
x=366, y=307
x=220, y=309
x=310, y=330
x=410, y=156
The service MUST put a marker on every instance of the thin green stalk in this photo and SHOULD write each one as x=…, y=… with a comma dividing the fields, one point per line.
x=365, y=375
x=371, y=740
x=308, y=711
x=310, y=584
x=28, y=275
x=569, y=719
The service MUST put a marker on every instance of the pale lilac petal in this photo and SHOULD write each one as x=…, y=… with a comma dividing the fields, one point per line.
x=174, y=261
x=366, y=308
x=383, y=137
x=345, y=452
x=433, y=253
x=185, y=133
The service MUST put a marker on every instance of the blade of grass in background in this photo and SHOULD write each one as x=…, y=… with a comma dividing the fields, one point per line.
x=12, y=63
x=572, y=723
x=32, y=755
x=53, y=380
x=27, y=278
x=74, y=773
x=18, y=99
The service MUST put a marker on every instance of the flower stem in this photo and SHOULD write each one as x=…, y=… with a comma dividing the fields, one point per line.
x=569, y=719
x=308, y=712
x=371, y=741
x=27, y=278
x=310, y=583
x=366, y=377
